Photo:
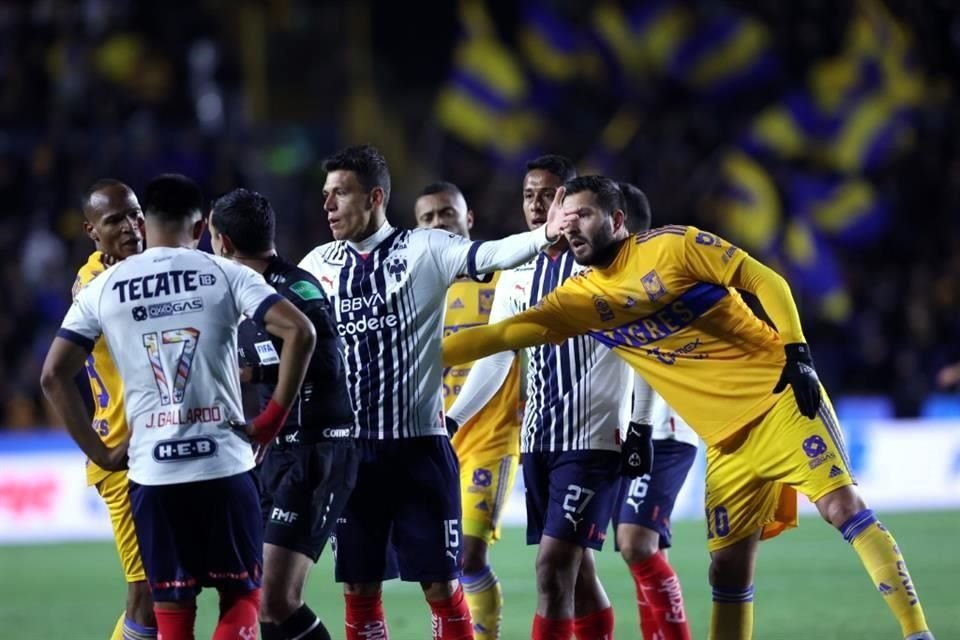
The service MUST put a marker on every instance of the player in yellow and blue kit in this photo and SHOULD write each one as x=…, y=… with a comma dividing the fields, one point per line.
x=666, y=301
x=113, y=220
x=488, y=445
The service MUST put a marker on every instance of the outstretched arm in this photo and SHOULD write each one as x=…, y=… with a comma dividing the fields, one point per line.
x=508, y=335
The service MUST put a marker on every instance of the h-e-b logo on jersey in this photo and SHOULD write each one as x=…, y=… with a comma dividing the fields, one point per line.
x=190, y=448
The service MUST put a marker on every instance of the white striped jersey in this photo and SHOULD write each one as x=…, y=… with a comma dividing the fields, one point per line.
x=170, y=317
x=668, y=425
x=649, y=407
x=578, y=392
x=389, y=293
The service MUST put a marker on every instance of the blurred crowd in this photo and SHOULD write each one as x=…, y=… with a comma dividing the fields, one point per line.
x=823, y=137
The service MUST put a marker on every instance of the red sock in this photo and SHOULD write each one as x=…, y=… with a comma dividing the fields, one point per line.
x=648, y=621
x=660, y=588
x=364, y=618
x=175, y=624
x=238, y=616
x=451, y=618
x=596, y=626
x=546, y=629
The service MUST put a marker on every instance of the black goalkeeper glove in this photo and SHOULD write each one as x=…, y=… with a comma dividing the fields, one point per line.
x=799, y=373
x=452, y=426
x=636, y=452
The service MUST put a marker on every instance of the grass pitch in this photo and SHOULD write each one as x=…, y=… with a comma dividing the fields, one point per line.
x=809, y=584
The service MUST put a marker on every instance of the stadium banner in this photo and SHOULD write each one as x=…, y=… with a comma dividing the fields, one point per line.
x=901, y=465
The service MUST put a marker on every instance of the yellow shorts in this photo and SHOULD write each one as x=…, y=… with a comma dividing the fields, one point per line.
x=484, y=488
x=754, y=476
x=113, y=490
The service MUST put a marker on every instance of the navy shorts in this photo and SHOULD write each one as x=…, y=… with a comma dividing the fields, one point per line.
x=570, y=495
x=199, y=534
x=403, y=517
x=303, y=490
x=648, y=500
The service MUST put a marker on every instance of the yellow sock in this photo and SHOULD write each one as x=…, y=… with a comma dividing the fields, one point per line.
x=485, y=599
x=118, y=630
x=732, y=615
x=881, y=557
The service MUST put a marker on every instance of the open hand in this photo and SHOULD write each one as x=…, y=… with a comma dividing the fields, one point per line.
x=557, y=219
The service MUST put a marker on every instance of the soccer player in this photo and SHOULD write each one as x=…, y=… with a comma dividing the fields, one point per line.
x=666, y=301
x=578, y=396
x=647, y=493
x=488, y=446
x=388, y=288
x=311, y=467
x=112, y=219
x=169, y=317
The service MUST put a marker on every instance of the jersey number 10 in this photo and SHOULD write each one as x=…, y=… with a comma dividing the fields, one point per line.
x=186, y=340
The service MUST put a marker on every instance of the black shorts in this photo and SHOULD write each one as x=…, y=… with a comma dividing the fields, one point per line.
x=303, y=490
x=199, y=534
x=404, y=518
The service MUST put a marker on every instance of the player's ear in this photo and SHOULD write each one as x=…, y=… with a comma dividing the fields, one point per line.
x=469, y=219
x=619, y=220
x=91, y=231
x=377, y=197
x=227, y=248
x=198, y=228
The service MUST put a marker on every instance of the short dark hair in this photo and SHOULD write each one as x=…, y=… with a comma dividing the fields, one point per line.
x=247, y=217
x=440, y=186
x=638, y=207
x=607, y=192
x=367, y=163
x=172, y=197
x=558, y=165
x=99, y=185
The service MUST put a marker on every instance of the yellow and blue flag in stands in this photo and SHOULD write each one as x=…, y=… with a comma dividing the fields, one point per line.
x=725, y=54
x=846, y=210
x=857, y=110
x=748, y=204
x=486, y=101
x=556, y=51
x=813, y=271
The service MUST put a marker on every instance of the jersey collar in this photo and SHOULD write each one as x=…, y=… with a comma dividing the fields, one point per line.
x=369, y=244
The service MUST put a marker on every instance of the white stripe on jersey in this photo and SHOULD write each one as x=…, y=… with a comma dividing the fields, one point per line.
x=578, y=392
x=668, y=425
x=388, y=294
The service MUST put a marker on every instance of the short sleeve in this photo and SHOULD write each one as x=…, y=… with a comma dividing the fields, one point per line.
x=253, y=295
x=82, y=325
x=710, y=258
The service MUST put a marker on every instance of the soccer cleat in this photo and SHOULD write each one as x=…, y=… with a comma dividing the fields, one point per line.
x=923, y=635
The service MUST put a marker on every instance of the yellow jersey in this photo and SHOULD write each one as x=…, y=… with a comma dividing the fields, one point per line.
x=665, y=305
x=109, y=419
x=495, y=430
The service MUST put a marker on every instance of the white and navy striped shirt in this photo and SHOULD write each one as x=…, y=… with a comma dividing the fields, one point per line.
x=388, y=294
x=578, y=392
